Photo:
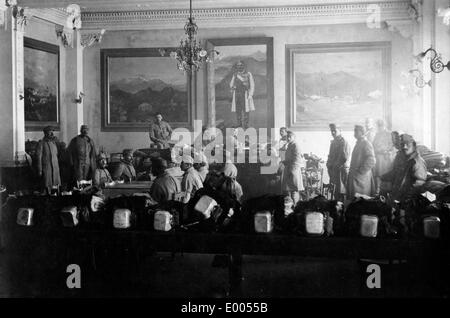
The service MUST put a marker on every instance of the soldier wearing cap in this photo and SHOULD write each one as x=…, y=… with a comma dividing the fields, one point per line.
x=291, y=178
x=82, y=155
x=160, y=132
x=414, y=174
x=47, y=160
x=338, y=162
x=125, y=170
x=191, y=181
x=102, y=175
x=165, y=186
x=360, y=178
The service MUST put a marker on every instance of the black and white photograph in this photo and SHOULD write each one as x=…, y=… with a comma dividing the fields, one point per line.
x=225, y=155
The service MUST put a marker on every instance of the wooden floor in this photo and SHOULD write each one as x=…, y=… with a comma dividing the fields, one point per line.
x=192, y=275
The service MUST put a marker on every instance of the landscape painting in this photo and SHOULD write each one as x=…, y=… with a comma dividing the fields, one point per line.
x=342, y=84
x=257, y=58
x=138, y=84
x=41, y=84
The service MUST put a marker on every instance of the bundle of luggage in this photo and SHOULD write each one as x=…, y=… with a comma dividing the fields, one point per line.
x=214, y=210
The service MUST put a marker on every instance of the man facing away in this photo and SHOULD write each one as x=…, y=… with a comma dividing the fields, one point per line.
x=191, y=181
x=160, y=132
x=338, y=162
x=165, y=186
x=82, y=155
x=360, y=177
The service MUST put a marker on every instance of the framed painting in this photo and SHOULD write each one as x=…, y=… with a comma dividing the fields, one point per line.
x=41, y=84
x=139, y=83
x=240, y=83
x=342, y=83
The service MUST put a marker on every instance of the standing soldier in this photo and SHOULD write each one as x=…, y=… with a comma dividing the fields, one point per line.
x=338, y=162
x=47, y=160
x=384, y=153
x=360, y=177
x=82, y=154
x=291, y=182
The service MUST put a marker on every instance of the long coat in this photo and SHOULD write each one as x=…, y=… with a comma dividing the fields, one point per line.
x=384, y=153
x=47, y=162
x=249, y=104
x=82, y=154
x=338, y=164
x=360, y=178
x=291, y=179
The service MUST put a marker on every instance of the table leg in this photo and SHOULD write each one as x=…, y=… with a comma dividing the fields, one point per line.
x=235, y=273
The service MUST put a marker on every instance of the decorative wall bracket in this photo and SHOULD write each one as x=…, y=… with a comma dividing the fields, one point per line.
x=415, y=10
x=18, y=13
x=419, y=80
x=79, y=100
x=88, y=39
x=65, y=35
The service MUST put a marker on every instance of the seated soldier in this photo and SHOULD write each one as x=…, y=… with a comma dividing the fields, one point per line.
x=191, y=180
x=125, y=170
x=231, y=185
x=165, y=186
x=101, y=174
x=414, y=174
x=201, y=165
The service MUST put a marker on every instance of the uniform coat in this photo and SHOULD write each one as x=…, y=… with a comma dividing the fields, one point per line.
x=47, y=162
x=165, y=187
x=82, y=154
x=338, y=164
x=384, y=153
x=413, y=176
x=291, y=179
x=360, y=178
x=124, y=171
x=101, y=177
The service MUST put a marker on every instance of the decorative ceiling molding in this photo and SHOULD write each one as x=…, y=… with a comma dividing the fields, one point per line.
x=65, y=34
x=136, y=5
x=53, y=15
x=247, y=16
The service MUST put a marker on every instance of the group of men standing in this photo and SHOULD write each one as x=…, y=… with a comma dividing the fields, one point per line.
x=381, y=162
x=81, y=157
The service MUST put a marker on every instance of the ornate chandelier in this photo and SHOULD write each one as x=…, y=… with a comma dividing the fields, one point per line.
x=190, y=55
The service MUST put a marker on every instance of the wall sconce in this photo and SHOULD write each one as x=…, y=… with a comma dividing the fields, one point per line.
x=419, y=80
x=436, y=63
x=79, y=100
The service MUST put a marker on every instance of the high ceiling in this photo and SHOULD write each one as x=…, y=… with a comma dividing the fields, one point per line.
x=133, y=5
x=166, y=14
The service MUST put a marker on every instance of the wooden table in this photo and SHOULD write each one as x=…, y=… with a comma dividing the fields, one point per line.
x=127, y=188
